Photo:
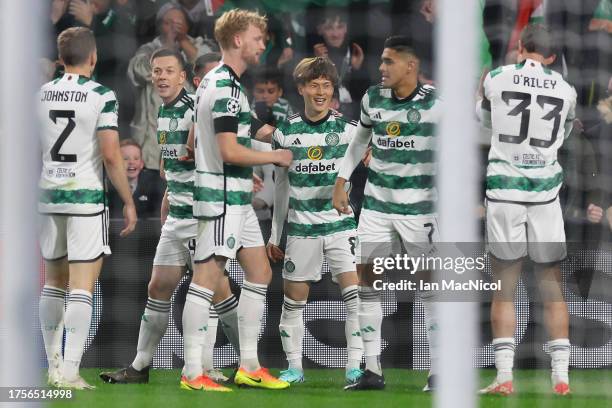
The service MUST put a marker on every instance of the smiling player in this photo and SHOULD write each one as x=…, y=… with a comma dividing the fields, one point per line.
x=318, y=138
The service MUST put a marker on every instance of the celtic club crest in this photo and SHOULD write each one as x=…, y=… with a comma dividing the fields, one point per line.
x=332, y=139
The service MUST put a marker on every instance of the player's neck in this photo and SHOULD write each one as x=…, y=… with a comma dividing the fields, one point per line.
x=313, y=115
x=405, y=89
x=235, y=62
x=535, y=57
x=78, y=70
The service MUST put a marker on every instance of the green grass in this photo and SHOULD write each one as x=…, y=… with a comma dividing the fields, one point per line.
x=323, y=388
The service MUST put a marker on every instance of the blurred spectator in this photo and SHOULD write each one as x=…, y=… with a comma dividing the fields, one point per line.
x=146, y=185
x=47, y=70
x=419, y=28
x=172, y=26
x=203, y=64
x=142, y=14
x=279, y=41
x=580, y=188
x=601, y=136
x=332, y=27
x=115, y=43
x=202, y=15
x=268, y=103
x=602, y=17
x=585, y=51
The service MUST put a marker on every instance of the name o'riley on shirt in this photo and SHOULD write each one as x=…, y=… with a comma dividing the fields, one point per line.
x=533, y=82
x=64, y=96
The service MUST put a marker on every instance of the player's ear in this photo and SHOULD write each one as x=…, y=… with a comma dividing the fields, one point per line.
x=300, y=89
x=281, y=92
x=237, y=40
x=93, y=60
x=550, y=60
x=183, y=76
x=196, y=81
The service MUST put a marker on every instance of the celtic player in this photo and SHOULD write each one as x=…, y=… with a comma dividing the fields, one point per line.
x=399, y=118
x=177, y=240
x=227, y=225
x=78, y=135
x=530, y=110
x=318, y=138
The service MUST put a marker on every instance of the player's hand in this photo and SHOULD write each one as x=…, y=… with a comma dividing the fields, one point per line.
x=367, y=157
x=340, y=199
x=258, y=183
x=356, y=56
x=594, y=213
x=130, y=218
x=283, y=157
x=82, y=11
x=189, y=156
x=320, y=50
x=274, y=253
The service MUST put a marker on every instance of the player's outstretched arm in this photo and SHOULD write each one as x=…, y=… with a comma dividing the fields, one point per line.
x=113, y=162
x=234, y=153
x=261, y=131
x=281, y=207
x=356, y=151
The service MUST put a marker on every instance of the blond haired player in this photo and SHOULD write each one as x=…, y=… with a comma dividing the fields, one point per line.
x=228, y=227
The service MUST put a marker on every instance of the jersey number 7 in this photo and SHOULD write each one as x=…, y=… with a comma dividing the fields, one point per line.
x=55, y=154
x=522, y=108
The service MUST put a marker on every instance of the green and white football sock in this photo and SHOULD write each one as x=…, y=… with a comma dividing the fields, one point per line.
x=251, y=308
x=432, y=329
x=370, y=322
x=354, y=344
x=560, y=354
x=195, y=320
x=77, y=322
x=503, y=349
x=291, y=330
x=208, y=348
x=228, y=315
x=153, y=325
x=51, y=316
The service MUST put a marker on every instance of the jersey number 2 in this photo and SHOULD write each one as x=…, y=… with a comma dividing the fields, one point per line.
x=55, y=154
x=522, y=108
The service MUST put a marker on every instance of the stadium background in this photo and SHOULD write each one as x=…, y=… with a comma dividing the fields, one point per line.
x=586, y=49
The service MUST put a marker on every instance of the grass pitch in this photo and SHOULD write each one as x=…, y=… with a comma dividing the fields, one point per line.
x=323, y=388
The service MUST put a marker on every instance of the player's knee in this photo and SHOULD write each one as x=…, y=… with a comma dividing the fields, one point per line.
x=60, y=282
x=160, y=290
